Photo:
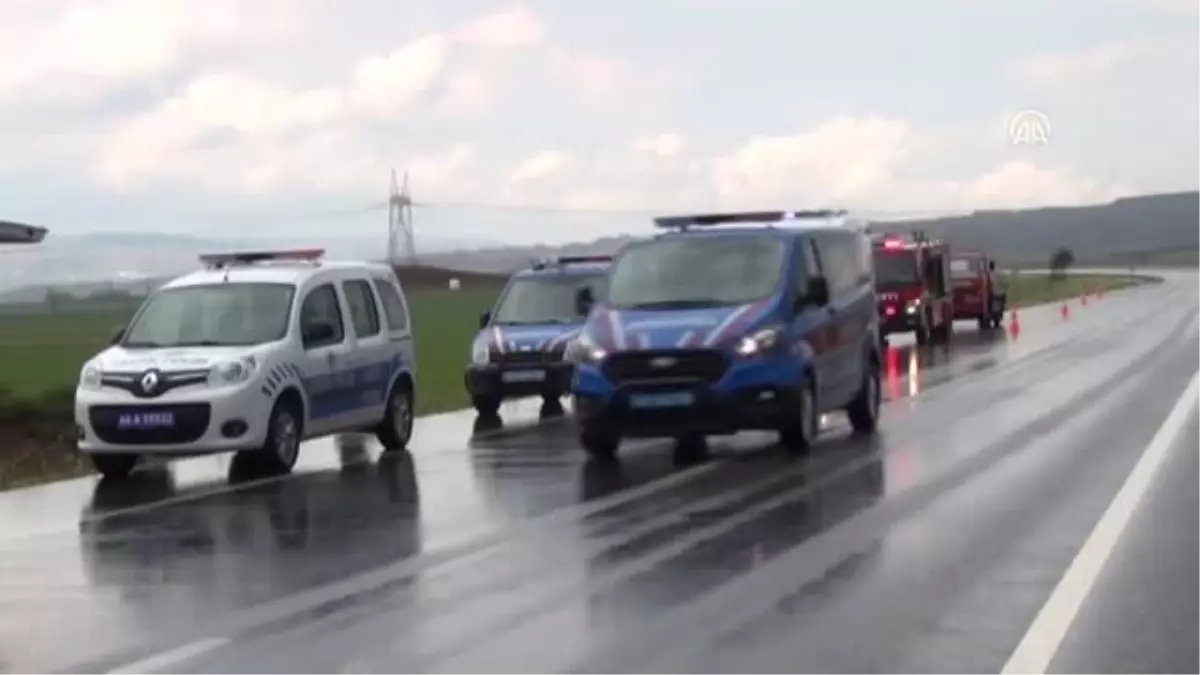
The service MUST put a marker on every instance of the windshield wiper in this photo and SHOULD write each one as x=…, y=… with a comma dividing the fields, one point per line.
x=142, y=345
x=695, y=303
x=201, y=343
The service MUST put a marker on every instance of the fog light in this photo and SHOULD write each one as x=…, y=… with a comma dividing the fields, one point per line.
x=234, y=428
x=767, y=395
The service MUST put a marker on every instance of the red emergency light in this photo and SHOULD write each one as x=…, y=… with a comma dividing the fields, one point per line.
x=893, y=244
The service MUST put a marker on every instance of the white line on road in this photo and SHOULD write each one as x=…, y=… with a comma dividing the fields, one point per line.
x=181, y=653
x=1035, y=651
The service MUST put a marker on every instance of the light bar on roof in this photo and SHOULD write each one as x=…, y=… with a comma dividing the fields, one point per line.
x=713, y=219
x=575, y=259
x=251, y=257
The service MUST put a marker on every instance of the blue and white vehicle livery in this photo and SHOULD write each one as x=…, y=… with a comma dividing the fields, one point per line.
x=731, y=322
x=519, y=350
x=254, y=353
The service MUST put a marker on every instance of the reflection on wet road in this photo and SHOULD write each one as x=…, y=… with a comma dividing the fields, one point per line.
x=497, y=547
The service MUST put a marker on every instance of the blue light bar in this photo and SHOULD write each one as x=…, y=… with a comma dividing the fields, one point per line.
x=714, y=219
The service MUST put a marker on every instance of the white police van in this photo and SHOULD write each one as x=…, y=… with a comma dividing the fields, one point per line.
x=255, y=353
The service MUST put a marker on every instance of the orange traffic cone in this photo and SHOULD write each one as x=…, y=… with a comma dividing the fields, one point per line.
x=1014, y=322
x=1065, y=311
x=1083, y=299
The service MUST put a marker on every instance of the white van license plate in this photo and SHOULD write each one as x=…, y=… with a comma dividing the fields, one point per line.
x=146, y=420
x=523, y=375
x=675, y=399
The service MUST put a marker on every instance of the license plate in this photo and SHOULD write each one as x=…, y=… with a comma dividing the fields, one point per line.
x=146, y=420
x=675, y=399
x=523, y=375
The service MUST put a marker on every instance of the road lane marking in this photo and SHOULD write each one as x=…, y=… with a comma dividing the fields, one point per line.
x=1048, y=630
x=158, y=662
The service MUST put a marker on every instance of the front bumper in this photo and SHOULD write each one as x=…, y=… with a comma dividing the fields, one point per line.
x=503, y=381
x=234, y=419
x=898, y=322
x=768, y=407
x=752, y=394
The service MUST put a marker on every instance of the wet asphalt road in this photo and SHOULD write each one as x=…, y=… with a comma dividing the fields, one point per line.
x=930, y=547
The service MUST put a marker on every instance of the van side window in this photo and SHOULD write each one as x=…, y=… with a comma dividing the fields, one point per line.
x=805, y=264
x=360, y=300
x=321, y=307
x=838, y=261
x=393, y=305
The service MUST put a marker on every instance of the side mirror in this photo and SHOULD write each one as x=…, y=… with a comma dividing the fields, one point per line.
x=485, y=319
x=818, y=292
x=584, y=300
x=992, y=265
x=117, y=336
x=318, y=332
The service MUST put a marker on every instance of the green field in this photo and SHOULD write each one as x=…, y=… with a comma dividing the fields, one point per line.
x=1035, y=289
x=41, y=354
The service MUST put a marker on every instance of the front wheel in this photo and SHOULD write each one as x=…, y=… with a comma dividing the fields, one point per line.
x=282, y=445
x=598, y=442
x=395, y=430
x=114, y=466
x=863, y=411
x=486, y=406
x=798, y=436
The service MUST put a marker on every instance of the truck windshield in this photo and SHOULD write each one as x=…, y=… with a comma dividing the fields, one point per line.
x=692, y=272
x=546, y=299
x=965, y=268
x=895, y=268
x=215, y=315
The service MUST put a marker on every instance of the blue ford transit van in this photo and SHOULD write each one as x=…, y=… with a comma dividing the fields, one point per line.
x=519, y=350
x=732, y=322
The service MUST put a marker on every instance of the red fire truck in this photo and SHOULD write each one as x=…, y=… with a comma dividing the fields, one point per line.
x=912, y=283
x=977, y=289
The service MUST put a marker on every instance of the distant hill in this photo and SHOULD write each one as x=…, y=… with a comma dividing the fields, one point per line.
x=1132, y=230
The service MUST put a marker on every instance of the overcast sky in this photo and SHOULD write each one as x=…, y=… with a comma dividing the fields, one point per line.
x=272, y=115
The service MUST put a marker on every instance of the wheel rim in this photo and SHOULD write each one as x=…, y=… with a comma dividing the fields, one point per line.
x=287, y=438
x=401, y=416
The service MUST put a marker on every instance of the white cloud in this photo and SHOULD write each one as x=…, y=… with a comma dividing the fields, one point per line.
x=86, y=48
x=662, y=145
x=1059, y=68
x=516, y=26
x=386, y=86
x=1024, y=184
x=542, y=165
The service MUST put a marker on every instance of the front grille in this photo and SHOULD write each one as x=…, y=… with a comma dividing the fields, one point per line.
x=132, y=382
x=530, y=358
x=191, y=421
x=705, y=365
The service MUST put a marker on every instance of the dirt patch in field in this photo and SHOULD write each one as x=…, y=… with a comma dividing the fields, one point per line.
x=32, y=453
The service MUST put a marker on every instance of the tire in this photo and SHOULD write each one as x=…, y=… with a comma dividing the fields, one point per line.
x=486, y=406
x=551, y=407
x=797, y=438
x=395, y=429
x=114, y=466
x=599, y=443
x=281, y=447
x=985, y=323
x=922, y=331
x=690, y=449
x=863, y=411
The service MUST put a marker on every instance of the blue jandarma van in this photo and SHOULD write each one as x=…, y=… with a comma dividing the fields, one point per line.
x=731, y=322
x=519, y=350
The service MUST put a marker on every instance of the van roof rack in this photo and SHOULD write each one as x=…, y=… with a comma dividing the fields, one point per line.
x=564, y=260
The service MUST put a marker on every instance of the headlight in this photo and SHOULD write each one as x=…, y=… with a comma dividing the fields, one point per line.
x=912, y=306
x=89, y=377
x=583, y=350
x=759, y=342
x=481, y=353
x=233, y=372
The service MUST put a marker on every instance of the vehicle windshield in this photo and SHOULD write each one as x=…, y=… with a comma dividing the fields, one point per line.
x=965, y=268
x=692, y=272
x=546, y=299
x=895, y=268
x=216, y=315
